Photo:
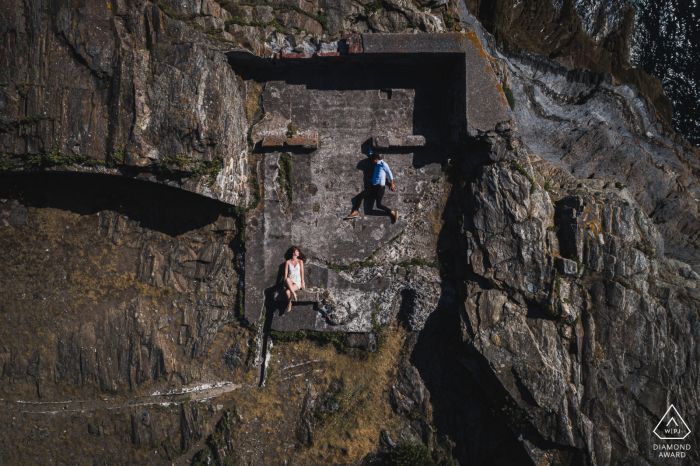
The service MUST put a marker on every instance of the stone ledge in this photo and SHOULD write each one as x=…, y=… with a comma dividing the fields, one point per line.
x=297, y=140
x=387, y=142
x=310, y=295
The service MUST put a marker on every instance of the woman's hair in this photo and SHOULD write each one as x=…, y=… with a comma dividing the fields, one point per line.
x=290, y=253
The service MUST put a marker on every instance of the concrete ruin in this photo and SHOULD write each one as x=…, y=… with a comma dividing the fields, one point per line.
x=415, y=99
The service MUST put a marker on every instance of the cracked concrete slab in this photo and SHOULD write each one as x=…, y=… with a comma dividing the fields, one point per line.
x=420, y=101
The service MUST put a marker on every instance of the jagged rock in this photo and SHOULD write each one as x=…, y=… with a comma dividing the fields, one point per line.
x=590, y=359
x=550, y=368
x=364, y=341
x=234, y=355
x=193, y=425
x=292, y=19
x=245, y=12
x=566, y=266
x=509, y=230
x=307, y=418
x=340, y=14
x=387, y=21
x=408, y=395
x=12, y=213
x=172, y=97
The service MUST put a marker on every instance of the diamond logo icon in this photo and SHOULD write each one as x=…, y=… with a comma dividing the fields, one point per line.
x=672, y=426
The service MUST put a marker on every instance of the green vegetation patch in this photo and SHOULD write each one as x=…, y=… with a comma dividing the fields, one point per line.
x=374, y=6
x=419, y=262
x=203, y=457
x=117, y=157
x=203, y=168
x=581, y=267
x=269, y=373
x=519, y=168
x=30, y=120
x=379, y=331
x=6, y=163
x=56, y=158
x=410, y=454
x=513, y=415
x=450, y=20
x=22, y=89
x=256, y=185
x=509, y=96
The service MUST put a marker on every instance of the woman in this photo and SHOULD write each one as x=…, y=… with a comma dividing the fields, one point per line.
x=293, y=274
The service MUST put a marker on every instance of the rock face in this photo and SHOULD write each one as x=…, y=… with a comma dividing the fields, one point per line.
x=125, y=338
x=589, y=345
x=536, y=302
x=130, y=90
x=588, y=34
x=583, y=124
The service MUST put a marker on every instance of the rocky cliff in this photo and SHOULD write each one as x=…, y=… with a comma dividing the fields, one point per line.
x=536, y=303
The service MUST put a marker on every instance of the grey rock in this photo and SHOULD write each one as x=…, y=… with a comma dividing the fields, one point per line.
x=409, y=395
x=306, y=426
x=567, y=266
x=12, y=213
x=340, y=14
x=364, y=341
x=263, y=13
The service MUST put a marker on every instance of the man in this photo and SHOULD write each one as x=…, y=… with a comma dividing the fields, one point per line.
x=381, y=172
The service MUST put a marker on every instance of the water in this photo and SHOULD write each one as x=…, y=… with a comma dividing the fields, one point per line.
x=666, y=44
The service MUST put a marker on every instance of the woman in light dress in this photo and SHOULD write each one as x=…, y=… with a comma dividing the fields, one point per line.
x=293, y=275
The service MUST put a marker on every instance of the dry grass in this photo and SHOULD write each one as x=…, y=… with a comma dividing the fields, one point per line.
x=271, y=414
x=353, y=432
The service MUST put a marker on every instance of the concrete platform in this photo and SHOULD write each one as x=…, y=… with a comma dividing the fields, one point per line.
x=413, y=96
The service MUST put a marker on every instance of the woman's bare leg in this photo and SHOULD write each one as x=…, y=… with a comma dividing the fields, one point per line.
x=290, y=291
x=291, y=287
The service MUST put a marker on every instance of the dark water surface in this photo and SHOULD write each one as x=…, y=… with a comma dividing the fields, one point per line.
x=667, y=45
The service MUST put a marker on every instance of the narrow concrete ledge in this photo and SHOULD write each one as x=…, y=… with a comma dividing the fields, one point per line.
x=298, y=140
x=310, y=295
x=301, y=317
x=388, y=142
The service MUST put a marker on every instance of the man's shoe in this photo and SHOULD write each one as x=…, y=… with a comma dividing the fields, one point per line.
x=352, y=215
x=394, y=216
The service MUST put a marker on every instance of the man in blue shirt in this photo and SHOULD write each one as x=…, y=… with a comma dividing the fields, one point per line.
x=381, y=172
